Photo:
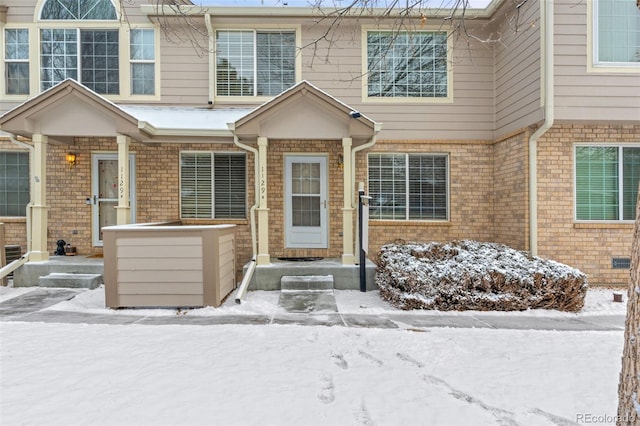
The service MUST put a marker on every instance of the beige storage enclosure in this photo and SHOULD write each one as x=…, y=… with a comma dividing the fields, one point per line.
x=168, y=265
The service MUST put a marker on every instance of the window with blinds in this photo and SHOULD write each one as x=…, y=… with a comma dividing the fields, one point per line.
x=408, y=186
x=212, y=185
x=606, y=182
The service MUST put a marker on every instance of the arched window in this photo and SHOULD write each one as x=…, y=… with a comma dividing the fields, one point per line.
x=78, y=10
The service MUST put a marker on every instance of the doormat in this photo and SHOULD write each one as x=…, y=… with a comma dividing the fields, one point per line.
x=300, y=259
x=95, y=256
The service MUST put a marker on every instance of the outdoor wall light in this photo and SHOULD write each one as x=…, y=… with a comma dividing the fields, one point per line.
x=340, y=161
x=71, y=159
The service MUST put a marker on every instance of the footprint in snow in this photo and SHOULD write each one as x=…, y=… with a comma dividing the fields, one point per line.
x=503, y=417
x=409, y=359
x=370, y=357
x=327, y=389
x=363, y=417
x=338, y=360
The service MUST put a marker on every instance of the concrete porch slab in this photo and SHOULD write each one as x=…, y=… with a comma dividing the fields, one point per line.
x=345, y=277
x=28, y=275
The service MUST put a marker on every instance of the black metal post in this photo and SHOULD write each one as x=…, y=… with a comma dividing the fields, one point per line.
x=363, y=258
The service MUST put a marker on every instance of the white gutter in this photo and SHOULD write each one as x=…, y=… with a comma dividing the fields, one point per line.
x=246, y=278
x=376, y=129
x=316, y=12
x=207, y=23
x=354, y=201
x=547, y=10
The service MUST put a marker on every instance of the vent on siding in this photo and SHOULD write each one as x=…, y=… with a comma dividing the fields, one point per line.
x=621, y=263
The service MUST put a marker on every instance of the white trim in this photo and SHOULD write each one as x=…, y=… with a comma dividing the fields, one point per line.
x=406, y=155
x=365, y=29
x=295, y=28
x=95, y=197
x=306, y=237
x=212, y=155
x=37, y=12
x=593, y=65
x=619, y=146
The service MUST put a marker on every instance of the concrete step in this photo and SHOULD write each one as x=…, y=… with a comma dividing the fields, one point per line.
x=71, y=280
x=306, y=282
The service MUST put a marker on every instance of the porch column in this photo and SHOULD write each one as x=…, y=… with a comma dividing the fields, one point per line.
x=347, y=209
x=39, y=208
x=263, y=210
x=124, y=206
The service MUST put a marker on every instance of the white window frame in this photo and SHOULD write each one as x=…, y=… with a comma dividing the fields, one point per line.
x=79, y=56
x=27, y=178
x=593, y=62
x=405, y=100
x=620, y=180
x=133, y=62
x=406, y=155
x=213, y=184
x=296, y=29
x=8, y=61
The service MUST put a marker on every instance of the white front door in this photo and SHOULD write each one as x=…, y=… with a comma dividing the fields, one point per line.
x=104, y=187
x=306, y=201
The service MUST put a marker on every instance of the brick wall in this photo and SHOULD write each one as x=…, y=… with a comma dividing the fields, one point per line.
x=157, y=192
x=511, y=180
x=471, y=194
x=488, y=196
x=277, y=150
x=588, y=247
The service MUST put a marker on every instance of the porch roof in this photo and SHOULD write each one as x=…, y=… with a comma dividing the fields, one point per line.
x=305, y=112
x=70, y=109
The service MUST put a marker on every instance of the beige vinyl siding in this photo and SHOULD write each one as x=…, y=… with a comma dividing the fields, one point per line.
x=469, y=116
x=517, y=69
x=582, y=94
x=168, y=265
x=20, y=11
x=184, y=72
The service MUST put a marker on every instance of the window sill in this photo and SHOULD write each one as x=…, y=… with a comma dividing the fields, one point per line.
x=377, y=222
x=604, y=225
x=13, y=219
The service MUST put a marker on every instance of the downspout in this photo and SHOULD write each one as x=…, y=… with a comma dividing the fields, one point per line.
x=548, y=96
x=354, y=203
x=246, y=278
x=207, y=23
x=376, y=129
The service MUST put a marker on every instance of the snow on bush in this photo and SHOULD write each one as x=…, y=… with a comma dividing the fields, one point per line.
x=472, y=275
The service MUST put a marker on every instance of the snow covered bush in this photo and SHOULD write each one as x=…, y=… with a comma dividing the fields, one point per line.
x=472, y=275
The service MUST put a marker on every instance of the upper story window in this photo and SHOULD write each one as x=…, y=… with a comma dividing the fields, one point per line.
x=16, y=56
x=409, y=65
x=89, y=56
x=616, y=33
x=408, y=186
x=143, y=56
x=606, y=182
x=255, y=62
x=78, y=10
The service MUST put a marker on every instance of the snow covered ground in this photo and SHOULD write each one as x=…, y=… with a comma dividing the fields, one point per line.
x=81, y=374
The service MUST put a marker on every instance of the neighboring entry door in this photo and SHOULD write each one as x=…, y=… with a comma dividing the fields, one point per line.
x=306, y=202
x=104, y=187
